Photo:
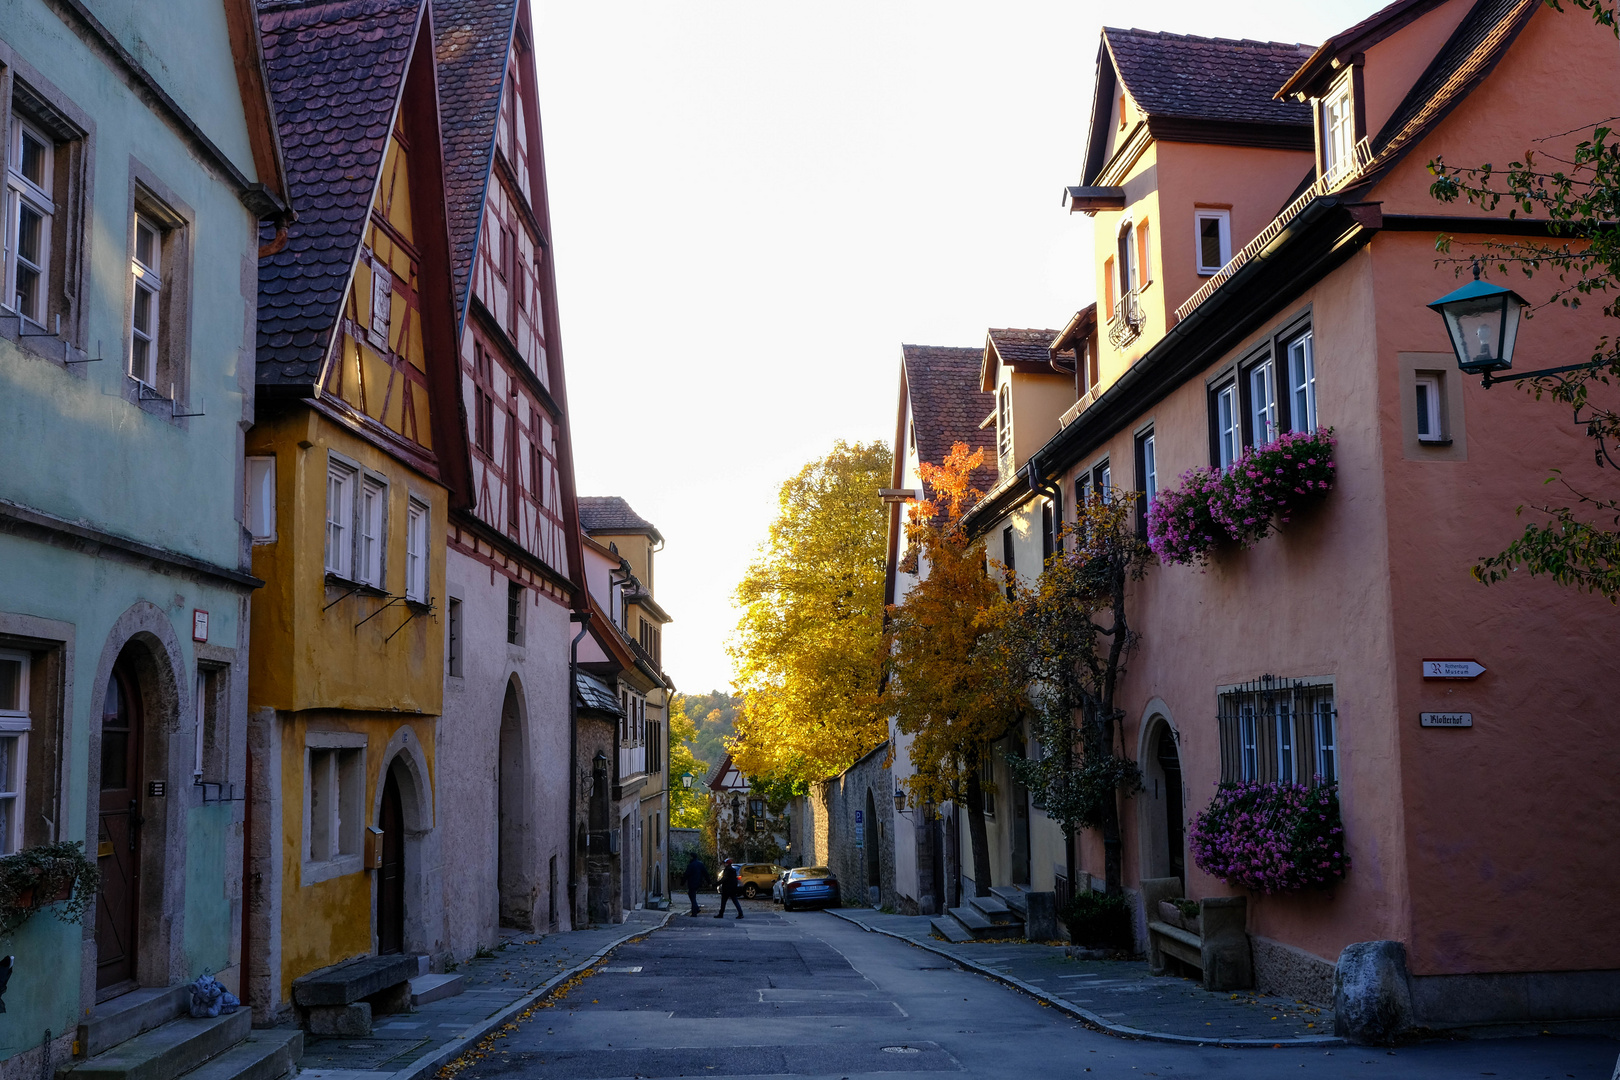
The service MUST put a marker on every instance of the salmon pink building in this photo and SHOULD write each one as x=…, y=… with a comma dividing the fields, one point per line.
x=1265, y=248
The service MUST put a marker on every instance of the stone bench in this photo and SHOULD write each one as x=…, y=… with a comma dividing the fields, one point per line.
x=341, y=1000
x=1215, y=941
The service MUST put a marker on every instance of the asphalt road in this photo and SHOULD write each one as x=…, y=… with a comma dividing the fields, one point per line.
x=805, y=994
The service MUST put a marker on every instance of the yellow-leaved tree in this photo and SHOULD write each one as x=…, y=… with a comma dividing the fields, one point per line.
x=952, y=688
x=687, y=806
x=807, y=651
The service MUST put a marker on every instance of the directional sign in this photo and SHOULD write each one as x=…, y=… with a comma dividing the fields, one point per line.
x=1452, y=669
x=1446, y=719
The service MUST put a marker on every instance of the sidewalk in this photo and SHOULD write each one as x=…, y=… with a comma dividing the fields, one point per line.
x=524, y=968
x=1119, y=996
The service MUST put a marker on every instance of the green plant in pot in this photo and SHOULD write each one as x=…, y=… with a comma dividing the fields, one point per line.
x=1098, y=921
x=57, y=875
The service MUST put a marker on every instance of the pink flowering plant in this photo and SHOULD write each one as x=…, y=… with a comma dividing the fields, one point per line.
x=1181, y=525
x=1265, y=487
x=1272, y=837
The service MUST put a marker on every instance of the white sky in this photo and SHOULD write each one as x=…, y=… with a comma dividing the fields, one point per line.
x=755, y=203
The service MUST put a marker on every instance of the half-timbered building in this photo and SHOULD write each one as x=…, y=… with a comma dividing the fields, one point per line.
x=514, y=574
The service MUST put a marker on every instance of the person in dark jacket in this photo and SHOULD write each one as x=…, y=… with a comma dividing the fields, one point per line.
x=697, y=876
x=729, y=891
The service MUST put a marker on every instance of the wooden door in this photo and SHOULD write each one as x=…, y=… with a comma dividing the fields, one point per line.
x=118, y=836
x=391, y=875
x=1174, y=832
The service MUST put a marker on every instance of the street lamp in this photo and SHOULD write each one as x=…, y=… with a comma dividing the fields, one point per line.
x=899, y=798
x=1482, y=321
x=686, y=780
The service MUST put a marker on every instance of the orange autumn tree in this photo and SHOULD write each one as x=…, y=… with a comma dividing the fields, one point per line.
x=950, y=687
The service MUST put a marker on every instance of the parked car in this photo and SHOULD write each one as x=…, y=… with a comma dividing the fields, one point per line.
x=810, y=886
x=755, y=878
x=776, y=886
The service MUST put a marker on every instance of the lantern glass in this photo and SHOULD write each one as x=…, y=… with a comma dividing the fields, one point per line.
x=686, y=779
x=1482, y=321
x=899, y=799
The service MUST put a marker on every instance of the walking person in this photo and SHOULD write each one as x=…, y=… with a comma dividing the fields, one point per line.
x=697, y=876
x=729, y=891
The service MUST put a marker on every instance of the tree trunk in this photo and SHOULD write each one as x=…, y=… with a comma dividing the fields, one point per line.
x=979, y=839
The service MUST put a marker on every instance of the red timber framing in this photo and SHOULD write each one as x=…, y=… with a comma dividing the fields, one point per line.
x=522, y=508
x=384, y=376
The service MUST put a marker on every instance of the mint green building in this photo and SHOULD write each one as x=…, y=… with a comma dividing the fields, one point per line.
x=141, y=176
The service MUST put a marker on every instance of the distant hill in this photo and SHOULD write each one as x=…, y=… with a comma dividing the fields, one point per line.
x=713, y=715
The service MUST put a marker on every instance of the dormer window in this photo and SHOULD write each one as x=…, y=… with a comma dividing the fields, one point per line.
x=1339, y=130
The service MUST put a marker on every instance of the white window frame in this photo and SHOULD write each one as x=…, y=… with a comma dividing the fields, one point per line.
x=417, y=519
x=1248, y=743
x=1228, y=424
x=333, y=828
x=259, y=499
x=1302, y=383
x=1426, y=390
x=1263, y=415
x=342, y=483
x=1327, y=741
x=15, y=725
x=371, y=536
x=1338, y=130
x=1150, y=467
x=20, y=192
x=1004, y=432
x=1282, y=723
x=146, y=294
x=1223, y=218
x=1129, y=275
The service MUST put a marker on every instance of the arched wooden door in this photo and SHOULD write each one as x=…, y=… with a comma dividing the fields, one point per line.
x=118, y=835
x=391, y=874
x=1174, y=831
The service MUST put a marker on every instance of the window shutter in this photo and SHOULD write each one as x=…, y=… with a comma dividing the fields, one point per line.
x=382, y=295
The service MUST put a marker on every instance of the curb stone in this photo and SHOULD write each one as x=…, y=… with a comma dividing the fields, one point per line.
x=434, y=1060
x=1091, y=1019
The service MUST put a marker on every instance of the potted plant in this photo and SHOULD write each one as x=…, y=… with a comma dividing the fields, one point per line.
x=1272, y=837
x=56, y=874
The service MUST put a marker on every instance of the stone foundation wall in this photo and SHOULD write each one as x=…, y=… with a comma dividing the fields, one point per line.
x=840, y=798
x=1291, y=973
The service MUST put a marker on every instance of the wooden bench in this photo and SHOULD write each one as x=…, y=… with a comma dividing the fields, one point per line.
x=1215, y=941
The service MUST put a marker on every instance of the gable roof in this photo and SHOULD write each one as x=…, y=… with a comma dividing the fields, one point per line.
x=336, y=73
x=611, y=515
x=1199, y=78
x=1027, y=351
x=947, y=404
x=1358, y=38
x=1197, y=89
x=1474, y=49
x=472, y=40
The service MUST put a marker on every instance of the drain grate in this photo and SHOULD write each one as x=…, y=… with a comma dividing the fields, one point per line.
x=901, y=1050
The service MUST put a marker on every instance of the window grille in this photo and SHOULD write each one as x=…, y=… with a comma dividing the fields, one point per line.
x=1283, y=730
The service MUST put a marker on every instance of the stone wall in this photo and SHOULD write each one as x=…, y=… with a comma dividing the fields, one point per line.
x=838, y=800
x=1291, y=973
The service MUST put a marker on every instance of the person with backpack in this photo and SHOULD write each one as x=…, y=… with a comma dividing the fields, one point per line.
x=729, y=891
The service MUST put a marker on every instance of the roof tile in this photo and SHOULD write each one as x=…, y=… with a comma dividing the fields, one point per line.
x=1199, y=78
x=947, y=405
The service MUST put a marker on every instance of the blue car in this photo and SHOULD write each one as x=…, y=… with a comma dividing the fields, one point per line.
x=810, y=886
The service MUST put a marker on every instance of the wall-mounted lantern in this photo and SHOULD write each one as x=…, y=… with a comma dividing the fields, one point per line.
x=686, y=780
x=1482, y=321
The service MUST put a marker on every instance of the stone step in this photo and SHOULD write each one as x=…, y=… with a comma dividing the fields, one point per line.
x=263, y=1055
x=951, y=930
x=1014, y=896
x=353, y=980
x=982, y=929
x=426, y=988
x=994, y=909
x=129, y=1015
x=169, y=1051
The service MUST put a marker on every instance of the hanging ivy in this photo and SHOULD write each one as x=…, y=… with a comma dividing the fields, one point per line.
x=55, y=875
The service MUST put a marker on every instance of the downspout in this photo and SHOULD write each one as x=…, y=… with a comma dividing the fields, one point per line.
x=584, y=620
x=1039, y=485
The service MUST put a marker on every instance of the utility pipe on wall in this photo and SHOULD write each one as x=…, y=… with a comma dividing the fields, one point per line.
x=584, y=620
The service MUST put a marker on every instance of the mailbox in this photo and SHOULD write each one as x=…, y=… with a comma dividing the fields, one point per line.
x=372, y=859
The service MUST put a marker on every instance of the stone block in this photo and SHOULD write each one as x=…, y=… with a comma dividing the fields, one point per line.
x=1040, y=916
x=1372, y=993
x=354, y=1019
x=1224, y=942
x=393, y=999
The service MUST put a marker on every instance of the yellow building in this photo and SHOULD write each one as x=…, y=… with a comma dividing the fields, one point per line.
x=351, y=466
